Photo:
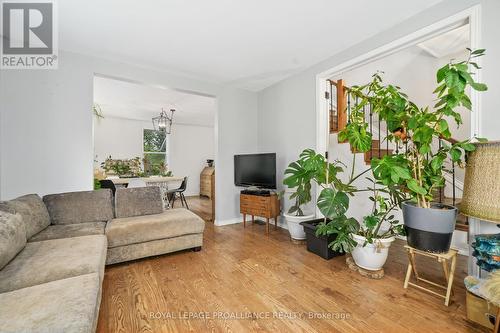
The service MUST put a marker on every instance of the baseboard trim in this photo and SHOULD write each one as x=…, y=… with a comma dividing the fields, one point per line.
x=235, y=220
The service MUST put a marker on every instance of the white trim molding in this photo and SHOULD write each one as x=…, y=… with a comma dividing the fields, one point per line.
x=220, y=223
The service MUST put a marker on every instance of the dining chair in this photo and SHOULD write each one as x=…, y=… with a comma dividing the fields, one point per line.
x=172, y=194
x=108, y=183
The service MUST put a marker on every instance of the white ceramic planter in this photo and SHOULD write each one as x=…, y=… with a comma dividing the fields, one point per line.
x=294, y=227
x=372, y=256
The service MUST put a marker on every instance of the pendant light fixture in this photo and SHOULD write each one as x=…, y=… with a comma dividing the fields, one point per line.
x=163, y=122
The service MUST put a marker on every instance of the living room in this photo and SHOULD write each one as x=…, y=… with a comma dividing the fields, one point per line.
x=130, y=262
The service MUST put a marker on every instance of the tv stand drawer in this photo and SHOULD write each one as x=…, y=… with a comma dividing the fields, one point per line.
x=256, y=205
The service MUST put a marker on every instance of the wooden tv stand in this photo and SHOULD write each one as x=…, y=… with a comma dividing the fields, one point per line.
x=259, y=205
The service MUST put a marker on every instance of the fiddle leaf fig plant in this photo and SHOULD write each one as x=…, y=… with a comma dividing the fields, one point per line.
x=420, y=168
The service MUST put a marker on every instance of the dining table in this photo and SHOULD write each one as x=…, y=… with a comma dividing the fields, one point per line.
x=162, y=182
x=147, y=180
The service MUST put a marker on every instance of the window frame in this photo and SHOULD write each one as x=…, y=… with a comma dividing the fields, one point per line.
x=166, y=152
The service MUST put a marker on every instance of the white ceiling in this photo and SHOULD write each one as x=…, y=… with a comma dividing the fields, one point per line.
x=250, y=44
x=449, y=43
x=140, y=102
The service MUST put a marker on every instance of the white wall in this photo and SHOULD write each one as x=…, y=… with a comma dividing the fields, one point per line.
x=234, y=107
x=46, y=126
x=119, y=138
x=412, y=69
x=189, y=148
x=46, y=129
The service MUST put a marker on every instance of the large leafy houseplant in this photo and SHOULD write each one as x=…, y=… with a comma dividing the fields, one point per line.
x=310, y=168
x=299, y=178
x=333, y=201
x=419, y=169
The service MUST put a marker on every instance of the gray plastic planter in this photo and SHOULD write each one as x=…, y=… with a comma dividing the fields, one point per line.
x=429, y=229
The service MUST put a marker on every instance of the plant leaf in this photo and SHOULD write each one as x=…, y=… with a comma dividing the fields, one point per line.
x=441, y=73
x=333, y=204
x=413, y=186
x=479, y=86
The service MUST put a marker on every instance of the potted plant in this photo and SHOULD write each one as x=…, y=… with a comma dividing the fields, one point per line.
x=332, y=202
x=299, y=178
x=370, y=240
x=420, y=167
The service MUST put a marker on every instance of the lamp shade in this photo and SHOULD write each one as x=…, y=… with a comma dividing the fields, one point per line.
x=481, y=195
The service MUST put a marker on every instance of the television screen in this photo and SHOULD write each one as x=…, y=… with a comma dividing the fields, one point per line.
x=255, y=170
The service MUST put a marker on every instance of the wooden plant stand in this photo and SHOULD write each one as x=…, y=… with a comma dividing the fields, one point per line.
x=443, y=258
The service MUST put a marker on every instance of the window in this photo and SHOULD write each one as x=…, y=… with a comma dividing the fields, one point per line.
x=155, y=152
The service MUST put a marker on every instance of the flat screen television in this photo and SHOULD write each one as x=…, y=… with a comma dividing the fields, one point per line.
x=258, y=170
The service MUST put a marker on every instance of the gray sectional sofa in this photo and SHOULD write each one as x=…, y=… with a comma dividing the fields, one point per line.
x=53, y=252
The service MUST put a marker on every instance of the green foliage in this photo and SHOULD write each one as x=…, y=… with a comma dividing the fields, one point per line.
x=154, y=141
x=333, y=203
x=298, y=175
x=383, y=205
x=155, y=148
x=154, y=165
x=97, y=184
x=333, y=200
x=342, y=227
x=391, y=169
x=309, y=167
x=130, y=167
x=358, y=136
x=419, y=170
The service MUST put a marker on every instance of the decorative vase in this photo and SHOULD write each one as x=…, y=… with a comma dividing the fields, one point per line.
x=371, y=256
x=429, y=229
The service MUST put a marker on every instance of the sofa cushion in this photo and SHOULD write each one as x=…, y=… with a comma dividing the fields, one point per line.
x=56, y=259
x=33, y=211
x=138, y=201
x=12, y=236
x=80, y=207
x=69, y=230
x=152, y=248
x=67, y=305
x=138, y=229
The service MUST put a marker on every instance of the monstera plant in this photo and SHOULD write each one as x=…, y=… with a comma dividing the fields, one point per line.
x=337, y=230
x=310, y=167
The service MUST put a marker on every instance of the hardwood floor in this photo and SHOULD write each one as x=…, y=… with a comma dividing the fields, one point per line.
x=243, y=280
x=202, y=206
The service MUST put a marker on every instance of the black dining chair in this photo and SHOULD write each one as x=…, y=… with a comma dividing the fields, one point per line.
x=172, y=194
x=108, y=183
